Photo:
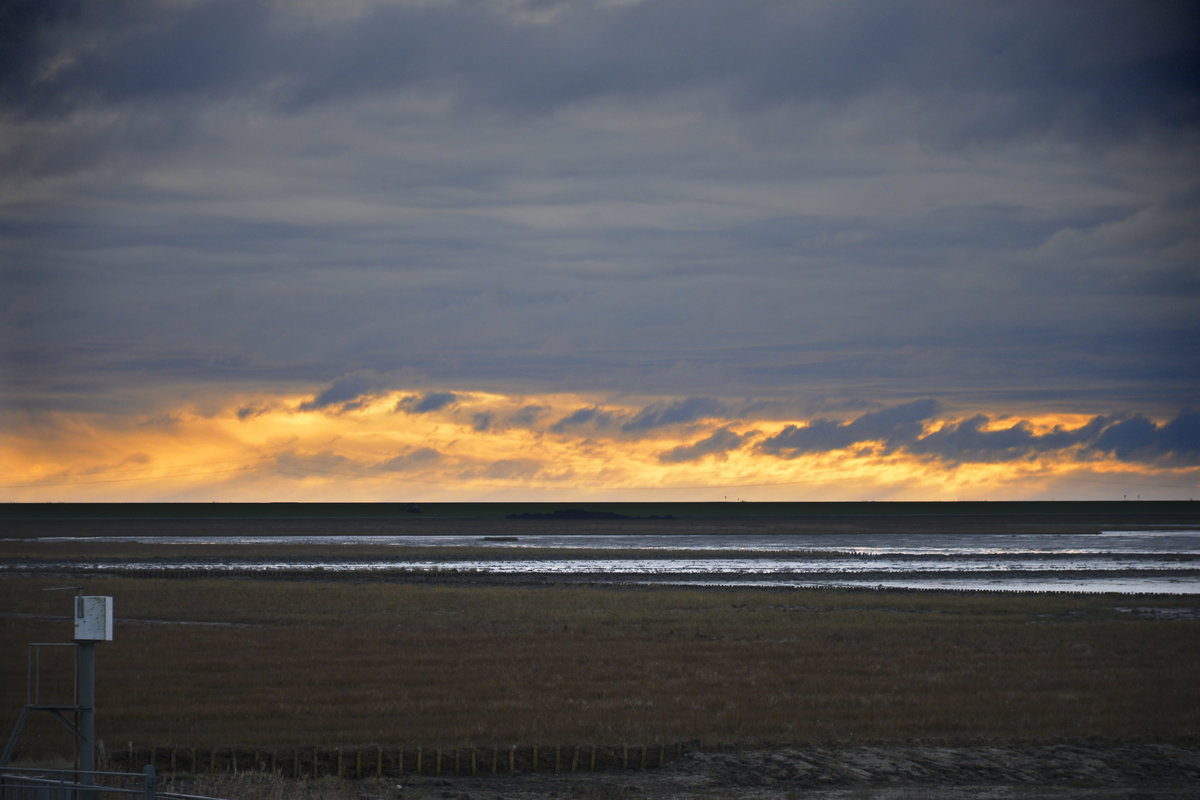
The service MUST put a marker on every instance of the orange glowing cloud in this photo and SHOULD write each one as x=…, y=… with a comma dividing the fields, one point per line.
x=366, y=444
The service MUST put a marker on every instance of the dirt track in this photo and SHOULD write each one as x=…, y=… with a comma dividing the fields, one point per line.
x=899, y=772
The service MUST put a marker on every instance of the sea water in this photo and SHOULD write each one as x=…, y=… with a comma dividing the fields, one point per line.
x=1165, y=561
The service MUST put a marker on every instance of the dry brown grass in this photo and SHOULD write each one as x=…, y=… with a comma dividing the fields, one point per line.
x=311, y=663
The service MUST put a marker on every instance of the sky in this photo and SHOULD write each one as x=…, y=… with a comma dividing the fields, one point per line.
x=651, y=250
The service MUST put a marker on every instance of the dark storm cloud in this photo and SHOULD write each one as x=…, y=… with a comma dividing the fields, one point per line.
x=651, y=417
x=425, y=403
x=251, y=411
x=349, y=392
x=1133, y=439
x=1138, y=439
x=847, y=203
x=896, y=427
x=718, y=444
x=76, y=55
x=583, y=416
x=969, y=441
x=28, y=33
x=527, y=415
x=679, y=412
x=1117, y=66
x=524, y=417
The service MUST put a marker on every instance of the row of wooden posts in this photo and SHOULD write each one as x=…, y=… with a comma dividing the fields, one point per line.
x=378, y=761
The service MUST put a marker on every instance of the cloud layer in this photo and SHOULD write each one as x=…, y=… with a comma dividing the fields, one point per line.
x=913, y=428
x=400, y=445
x=771, y=227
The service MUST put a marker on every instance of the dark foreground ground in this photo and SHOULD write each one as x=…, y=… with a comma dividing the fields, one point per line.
x=1072, y=771
x=1001, y=668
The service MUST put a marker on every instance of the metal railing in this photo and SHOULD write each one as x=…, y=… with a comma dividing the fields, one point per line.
x=32, y=783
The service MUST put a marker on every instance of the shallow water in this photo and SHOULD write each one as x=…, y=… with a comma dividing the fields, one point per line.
x=1126, y=561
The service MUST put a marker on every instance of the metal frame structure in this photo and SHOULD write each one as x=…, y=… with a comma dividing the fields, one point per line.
x=33, y=700
x=93, y=622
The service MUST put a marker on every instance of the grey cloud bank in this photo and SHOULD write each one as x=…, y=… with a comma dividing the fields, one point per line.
x=718, y=444
x=844, y=205
x=423, y=404
x=915, y=429
x=1131, y=439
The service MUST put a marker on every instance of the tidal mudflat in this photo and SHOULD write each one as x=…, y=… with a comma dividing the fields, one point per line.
x=1106, y=547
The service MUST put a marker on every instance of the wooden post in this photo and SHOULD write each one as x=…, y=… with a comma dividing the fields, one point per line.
x=593, y=767
x=295, y=763
x=212, y=760
x=339, y=752
x=358, y=762
x=557, y=748
x=535, y=758
x=473, y=769
x=512, y=759
x=314, y=762
x=625, y=756
x=575, y=759
x=418, y=760
x=495, y=757
x=437, y=761
x=379, y=762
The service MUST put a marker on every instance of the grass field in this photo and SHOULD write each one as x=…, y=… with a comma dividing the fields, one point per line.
x=273, y=663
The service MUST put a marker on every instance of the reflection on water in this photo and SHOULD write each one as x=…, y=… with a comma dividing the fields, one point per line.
x=1181, y=542
x=1142, y=561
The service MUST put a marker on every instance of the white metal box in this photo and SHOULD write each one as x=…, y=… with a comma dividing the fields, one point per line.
x=93, y=619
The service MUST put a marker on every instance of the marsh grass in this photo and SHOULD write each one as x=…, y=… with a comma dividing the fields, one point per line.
x=268, y=663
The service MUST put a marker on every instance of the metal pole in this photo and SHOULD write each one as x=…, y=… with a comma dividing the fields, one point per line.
x=149, y=782
x=87, y=711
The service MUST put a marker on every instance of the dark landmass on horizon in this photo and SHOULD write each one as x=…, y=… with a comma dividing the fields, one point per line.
x=612, y=510
x=36, y=520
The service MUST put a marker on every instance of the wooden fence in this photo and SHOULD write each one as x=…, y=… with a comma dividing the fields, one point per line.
x=379, y=760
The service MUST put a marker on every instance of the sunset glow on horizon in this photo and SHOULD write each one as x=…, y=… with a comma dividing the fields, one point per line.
x=461, y=446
